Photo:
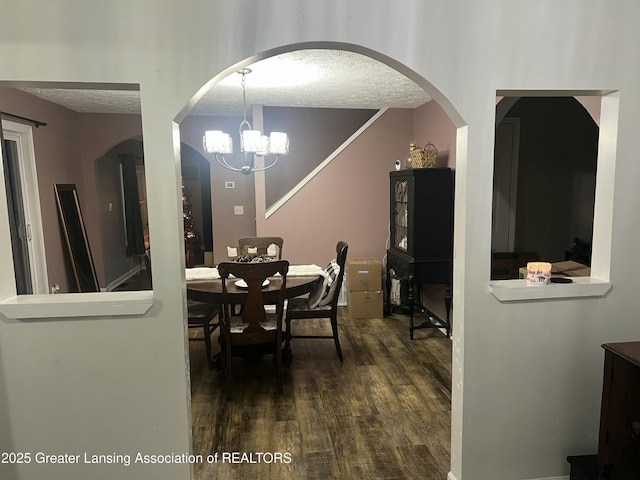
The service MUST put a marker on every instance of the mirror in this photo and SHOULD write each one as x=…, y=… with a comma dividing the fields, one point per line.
x=76, y=238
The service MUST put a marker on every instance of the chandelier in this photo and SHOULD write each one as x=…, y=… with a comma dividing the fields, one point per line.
x=252, y=142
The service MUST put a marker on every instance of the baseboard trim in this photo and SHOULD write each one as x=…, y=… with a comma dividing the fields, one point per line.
x=552, y=478
x=566, y=477
x=451, y=476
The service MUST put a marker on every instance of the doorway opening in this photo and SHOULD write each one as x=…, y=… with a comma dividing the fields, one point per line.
x=23, y=202
x=221, y=177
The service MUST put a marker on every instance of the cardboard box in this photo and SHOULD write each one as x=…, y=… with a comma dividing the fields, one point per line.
x=364, y=274
x=570, y=269
x=365, y=304
x=505, y=265
x=564, y=269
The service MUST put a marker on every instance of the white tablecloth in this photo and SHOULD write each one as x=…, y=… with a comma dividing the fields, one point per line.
x=211, y=273
x=304, y=270
x=201, y=273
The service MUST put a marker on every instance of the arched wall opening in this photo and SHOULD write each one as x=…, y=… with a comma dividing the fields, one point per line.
x=123, y=220
x=197, y=215
x=251, y=192
x=192, y=128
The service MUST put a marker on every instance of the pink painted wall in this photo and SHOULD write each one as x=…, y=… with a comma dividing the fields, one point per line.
x=314, y=133
x=431, y=124
x=592, y=104
x=348, y=200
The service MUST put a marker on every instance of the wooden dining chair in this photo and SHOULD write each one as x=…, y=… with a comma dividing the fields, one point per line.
x=300, y=308
x=253, y=328
x=261, y=244
x=203, y=316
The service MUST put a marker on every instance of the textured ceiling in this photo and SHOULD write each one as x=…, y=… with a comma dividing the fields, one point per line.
x=304, y=78
x=91, y=101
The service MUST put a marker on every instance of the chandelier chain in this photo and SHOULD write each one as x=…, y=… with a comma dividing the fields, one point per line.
x=244, y=97
x=245, y=122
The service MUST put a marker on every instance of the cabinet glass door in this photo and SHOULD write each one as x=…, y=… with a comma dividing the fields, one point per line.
x=401, y=217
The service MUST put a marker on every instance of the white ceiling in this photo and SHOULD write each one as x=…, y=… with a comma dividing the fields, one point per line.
x=304, y=78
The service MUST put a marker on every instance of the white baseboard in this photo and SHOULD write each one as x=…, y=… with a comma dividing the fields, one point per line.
x=451, y=476
x=122, y=278
x=566, y=477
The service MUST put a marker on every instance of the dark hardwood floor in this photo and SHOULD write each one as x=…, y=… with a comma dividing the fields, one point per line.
x=383, y=414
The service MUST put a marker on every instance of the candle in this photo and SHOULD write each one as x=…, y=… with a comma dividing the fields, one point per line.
x=538, y=273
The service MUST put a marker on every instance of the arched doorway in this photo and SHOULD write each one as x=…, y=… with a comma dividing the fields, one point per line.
x=257, y=188
x=196, y=184
x=124, y=229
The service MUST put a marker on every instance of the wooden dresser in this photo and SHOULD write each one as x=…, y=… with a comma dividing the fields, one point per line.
x=619, y=442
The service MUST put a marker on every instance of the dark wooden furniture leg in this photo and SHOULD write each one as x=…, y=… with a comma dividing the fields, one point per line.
x=411, y=300
x=431, y=320
x=448, y=299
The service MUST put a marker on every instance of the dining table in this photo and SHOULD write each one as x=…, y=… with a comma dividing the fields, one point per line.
x=205, y=285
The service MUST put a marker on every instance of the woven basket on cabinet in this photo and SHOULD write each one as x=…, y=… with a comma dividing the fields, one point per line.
x=424, y=157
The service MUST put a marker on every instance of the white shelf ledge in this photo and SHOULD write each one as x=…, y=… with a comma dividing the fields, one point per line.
x=75, y=305
x=519, y=291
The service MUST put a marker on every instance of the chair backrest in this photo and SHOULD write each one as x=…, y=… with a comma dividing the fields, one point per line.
x=341, y=260
x=253, y=312
x=261, y=243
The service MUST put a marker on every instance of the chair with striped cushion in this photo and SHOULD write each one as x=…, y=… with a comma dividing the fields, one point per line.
x=326, y=306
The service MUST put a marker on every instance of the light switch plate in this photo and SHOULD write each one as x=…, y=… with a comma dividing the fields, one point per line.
x=238, y=210
x=229, y=184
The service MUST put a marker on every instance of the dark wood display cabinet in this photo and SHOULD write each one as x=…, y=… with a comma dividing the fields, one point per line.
x=421, y=241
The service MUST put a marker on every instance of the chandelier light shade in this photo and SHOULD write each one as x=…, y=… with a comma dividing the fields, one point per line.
x=216, y=141
x=279, y=143
x=252, y=142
